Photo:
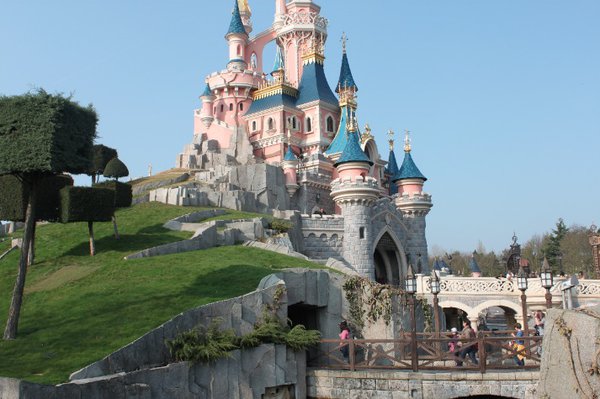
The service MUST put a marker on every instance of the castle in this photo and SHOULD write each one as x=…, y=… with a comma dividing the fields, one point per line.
x=290, y=128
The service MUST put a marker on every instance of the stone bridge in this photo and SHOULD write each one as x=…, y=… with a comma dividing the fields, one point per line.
x=390, y=384
x=474, y=295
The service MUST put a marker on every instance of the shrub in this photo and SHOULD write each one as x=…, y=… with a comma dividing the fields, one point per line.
x=43, y=133
x=86, y=204
x=281, y=225
x=115, y=169
x=123, y=193
x=100, y=158
x=14, y=196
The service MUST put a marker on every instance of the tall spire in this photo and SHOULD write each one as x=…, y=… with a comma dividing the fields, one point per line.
x=236, y=26
x=279, y=65
x=346, y=80
x=409, y=169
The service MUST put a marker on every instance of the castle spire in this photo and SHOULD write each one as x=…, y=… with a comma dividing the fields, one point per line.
x=346, y=80
x=236, y=26
x=409, y=169
x=407, y=146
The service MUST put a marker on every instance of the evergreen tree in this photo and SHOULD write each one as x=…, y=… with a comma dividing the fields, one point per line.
x=552, y=249
x=40, y=135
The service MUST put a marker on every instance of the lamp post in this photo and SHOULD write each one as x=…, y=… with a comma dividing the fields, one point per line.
x=522, y=285
x=435, y=290
x=410, y=285
x=547, y=282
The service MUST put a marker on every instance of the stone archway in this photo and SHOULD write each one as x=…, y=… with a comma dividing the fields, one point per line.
x=389, y=259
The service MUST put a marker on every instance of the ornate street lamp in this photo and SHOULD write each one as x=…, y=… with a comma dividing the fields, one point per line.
x=547, y=281
x=434, y=285
x=522, y=285
x=410, y=285
x=435, y=290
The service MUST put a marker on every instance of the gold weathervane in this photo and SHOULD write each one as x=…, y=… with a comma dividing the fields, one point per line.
x=391, y=139
x=244, y=7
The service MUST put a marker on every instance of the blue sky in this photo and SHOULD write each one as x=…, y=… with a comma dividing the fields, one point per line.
x=502, y=96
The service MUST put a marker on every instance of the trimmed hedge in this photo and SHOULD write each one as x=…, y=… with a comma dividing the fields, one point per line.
x=123, y=193
x=14, y=196
x=101, y=156
x=115, y=168
x=86, y=204
x=44, y=133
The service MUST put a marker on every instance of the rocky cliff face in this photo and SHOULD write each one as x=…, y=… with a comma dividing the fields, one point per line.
x=571, y=354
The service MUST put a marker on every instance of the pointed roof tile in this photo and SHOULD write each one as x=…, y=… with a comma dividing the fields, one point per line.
x=409, y=170
x=346, y=79
x=352, y=152
x=207, y=91
x=289, y=155
x=474, y=266
x=236, y=25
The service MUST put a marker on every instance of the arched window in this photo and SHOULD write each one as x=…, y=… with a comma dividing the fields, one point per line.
x=253, y=61
x=241, y=106
x=308, y=125
x=222, y=108
x=294, y=124
x=231, y=107
x=330, y=124
x=253, y=126
x=270, y=125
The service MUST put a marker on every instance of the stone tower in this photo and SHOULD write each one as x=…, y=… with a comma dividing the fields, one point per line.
x=414, y=205
x=354, y=191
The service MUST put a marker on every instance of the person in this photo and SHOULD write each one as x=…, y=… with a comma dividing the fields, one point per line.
x=538, y=317
x=453, y=344
x=467, y=334
x=519, y=345
x=344, y=334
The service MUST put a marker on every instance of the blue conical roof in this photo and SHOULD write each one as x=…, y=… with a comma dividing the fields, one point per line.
x=341, y=137
x=236, y=25
x=346, y=80
x=352, y=152
x=436, y=265
x=409, y=170
x=474, y=266
x=289, y=155
x=207, y=91
x=392, y=170
x=314, y=86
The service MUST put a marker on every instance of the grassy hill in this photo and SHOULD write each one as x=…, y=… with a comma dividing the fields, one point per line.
x=77, y=308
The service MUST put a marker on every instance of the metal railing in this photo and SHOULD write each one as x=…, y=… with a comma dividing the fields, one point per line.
x=493, y=351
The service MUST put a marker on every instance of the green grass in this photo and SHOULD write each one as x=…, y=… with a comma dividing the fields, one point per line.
x=78, y=309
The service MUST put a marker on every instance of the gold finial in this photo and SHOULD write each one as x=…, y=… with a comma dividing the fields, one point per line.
x=351, y=126
x=244, y=7
x=344, y=40
x=366, y=135
x=407, y=147
x=391, y=139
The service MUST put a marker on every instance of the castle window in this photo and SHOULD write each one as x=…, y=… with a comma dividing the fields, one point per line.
x=270, y=124
x=214, y=110
x=329, y=124
x=231, y=107
x=239, y=50
x=253, y=126
x=293, y=122
x=222, y=108
x=308, y=125
x=361, y=232
x=241, y=106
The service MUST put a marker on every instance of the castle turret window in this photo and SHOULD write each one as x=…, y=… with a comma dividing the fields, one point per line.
x=361, y=232
x=241, y=106
x=308, y=125
x=270, y=124
x=253, y=126
x=222, y=108
x=231, y=107
x=329, y=124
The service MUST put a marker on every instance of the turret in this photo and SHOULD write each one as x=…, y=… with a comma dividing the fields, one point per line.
x=354, y=192
x=280, y=11
x=475, y=270
x=279, y=67
x=392, y=166
x=237, y=38
x=290, y=164
x=208, y=99
x=409, y=179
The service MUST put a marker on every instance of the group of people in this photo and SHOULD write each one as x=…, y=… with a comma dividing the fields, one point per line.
x=462, y=350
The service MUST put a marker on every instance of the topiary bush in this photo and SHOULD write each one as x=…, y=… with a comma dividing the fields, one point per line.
x=115, y=169
x=14, y=195
x=123, y=192
x=44, y=133
x=86, y=204
x=281, y=225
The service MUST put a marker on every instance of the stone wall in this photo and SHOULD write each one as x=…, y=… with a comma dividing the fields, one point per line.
x=338, y=384
x=322, y=236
